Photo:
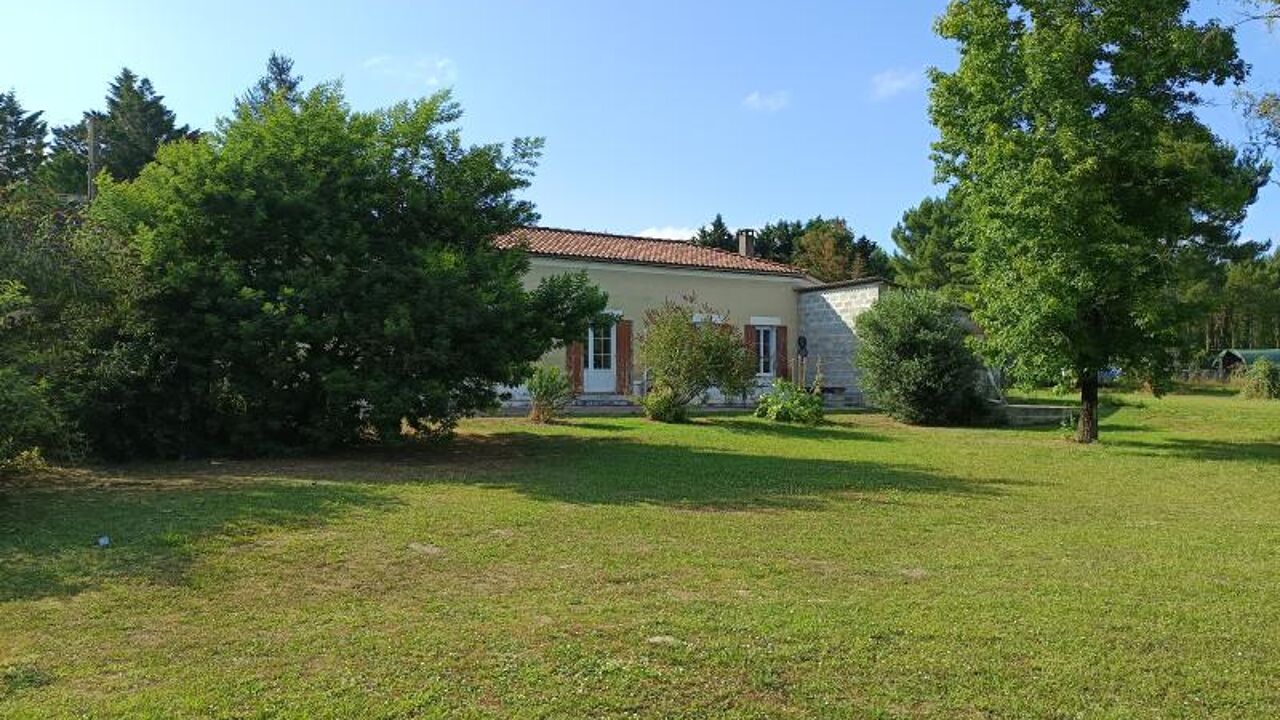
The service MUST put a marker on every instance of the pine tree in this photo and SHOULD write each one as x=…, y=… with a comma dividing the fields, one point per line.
x=716, y=235
x=134, y=125
x=66, y=169
x=869, y=260
x=137, y=122
x=930, y=256
x=777, y=240
x=21, y=140
x=279, y=82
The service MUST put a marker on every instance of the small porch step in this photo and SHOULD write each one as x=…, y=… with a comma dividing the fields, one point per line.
x=591, y=400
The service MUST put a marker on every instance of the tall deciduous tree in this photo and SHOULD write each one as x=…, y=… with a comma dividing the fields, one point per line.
x=825, y=251
x=22, y=137
x=1251, y=304
x=830, y=251
x=1068, y=127
x=930, y=254
x=716, y=235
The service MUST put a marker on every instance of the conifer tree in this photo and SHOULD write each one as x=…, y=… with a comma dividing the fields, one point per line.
x=21, y=140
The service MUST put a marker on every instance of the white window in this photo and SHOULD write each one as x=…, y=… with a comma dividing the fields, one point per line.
x=599, y=355
x=764, y=351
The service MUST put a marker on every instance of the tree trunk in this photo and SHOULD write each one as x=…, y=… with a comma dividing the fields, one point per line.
x=1087, y=429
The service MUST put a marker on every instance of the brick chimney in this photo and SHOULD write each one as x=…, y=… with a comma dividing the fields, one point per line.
x=746, y=242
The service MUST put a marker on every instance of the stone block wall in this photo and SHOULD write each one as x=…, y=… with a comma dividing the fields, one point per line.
x=828, y=321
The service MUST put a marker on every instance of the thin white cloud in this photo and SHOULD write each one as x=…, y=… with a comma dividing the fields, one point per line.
x=668, y=232
x=767, y=101
x=437, y=71
x=432, y=71
x=895, y=81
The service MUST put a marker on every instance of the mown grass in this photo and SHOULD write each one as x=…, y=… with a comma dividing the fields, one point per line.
x=613, y=567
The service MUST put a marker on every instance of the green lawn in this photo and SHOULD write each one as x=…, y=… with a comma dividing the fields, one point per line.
x=613, y=567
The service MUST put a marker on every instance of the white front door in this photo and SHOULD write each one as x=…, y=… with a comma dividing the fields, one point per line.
x=598, y=358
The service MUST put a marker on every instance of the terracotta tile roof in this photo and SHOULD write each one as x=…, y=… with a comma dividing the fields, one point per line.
x=605, y=247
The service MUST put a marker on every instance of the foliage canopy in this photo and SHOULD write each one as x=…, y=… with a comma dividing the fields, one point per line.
x=316, y=276
x=687, y=348
x=915, y=360
x=1085, y=177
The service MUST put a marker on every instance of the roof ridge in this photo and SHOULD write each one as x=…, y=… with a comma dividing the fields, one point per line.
x=688, y=243
x=620, y=236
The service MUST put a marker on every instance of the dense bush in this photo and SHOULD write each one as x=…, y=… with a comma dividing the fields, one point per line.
x=685, y=358
x=789, y=402
x=71, y=322
x=312, y=277
x=1262, y=380
x=915, y=361
x=661, y=404
x=30, y=425
x=29, y=422
x=550, y=391
x=305, y=276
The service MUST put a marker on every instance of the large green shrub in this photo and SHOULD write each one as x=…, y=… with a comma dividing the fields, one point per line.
x=1262, y=380
x=687, y=349
x=788, y=402
x=312, y=276
x=30, y=425
x=915, y=361
x=550, y=391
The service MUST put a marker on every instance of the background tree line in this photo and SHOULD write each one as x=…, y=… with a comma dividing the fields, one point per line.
x=827, y=249
x=301, y=276
x=1229, y=289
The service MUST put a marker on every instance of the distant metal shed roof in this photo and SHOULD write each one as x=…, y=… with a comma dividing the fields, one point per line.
x=1248, y=356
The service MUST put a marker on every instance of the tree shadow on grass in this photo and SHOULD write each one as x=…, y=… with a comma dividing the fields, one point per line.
x=589, y=425
x=620, y=471
x=1213, y=450
x=48, y=534
x=1106, y=427
x=1207, y=389
x=162, y=517
x=748, y=426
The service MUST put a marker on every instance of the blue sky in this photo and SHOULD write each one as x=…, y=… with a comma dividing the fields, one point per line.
x=657, y=114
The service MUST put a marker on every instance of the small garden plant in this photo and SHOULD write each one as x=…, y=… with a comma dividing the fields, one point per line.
x=688, y=349
x=791, y=403
x=661, y=404
x=550, y=392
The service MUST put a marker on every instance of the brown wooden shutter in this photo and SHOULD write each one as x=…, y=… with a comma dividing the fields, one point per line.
x=749, y=339
x=573, y=365
x=623, y=360
x=781, y=367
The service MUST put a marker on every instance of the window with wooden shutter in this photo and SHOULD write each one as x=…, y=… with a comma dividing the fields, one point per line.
x=623, y=370
x=764, y=355
x=783, y=369
x=574, y=357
